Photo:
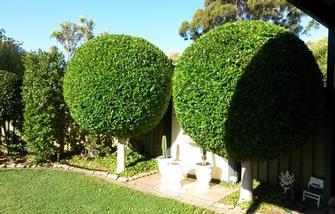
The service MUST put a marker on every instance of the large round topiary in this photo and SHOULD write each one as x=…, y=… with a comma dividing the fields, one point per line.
x=118, y=85
x=10, y=97
x=248, y=89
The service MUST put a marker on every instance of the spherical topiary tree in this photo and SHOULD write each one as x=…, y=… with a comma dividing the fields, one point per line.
x=247, y=91
x=118, y=85
x=10, y=104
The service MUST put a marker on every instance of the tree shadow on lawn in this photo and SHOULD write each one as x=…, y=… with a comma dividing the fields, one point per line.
x=270, y=199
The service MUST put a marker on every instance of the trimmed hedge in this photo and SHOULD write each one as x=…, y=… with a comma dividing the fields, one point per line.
x=247, y=89
x=43, y=103
x=118, y=85
x=10, y=97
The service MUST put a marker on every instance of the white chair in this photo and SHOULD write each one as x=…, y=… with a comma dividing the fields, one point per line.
x=314, y=190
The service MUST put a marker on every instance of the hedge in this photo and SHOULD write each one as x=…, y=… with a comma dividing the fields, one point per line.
x=43, y=103
x=10, y=97
x=248, y=90
x=118, y=85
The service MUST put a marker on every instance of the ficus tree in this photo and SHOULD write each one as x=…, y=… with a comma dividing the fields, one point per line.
x=43, y=103
x=10, y=108
x=248, y=91
x=118, y=85
x=218, y=12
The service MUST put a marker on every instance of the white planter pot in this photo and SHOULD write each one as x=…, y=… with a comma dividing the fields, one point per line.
x=204, y=175
x=171, y=173
x=163, y=164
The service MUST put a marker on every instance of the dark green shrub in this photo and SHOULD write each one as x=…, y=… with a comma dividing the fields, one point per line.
x=10, y=97
x=11, y=111
x=43, y=100
x=118, y=85
x=249, y=89
x=11, y=54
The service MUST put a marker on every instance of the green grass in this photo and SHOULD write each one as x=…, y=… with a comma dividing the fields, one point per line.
x=50, y=191
x=135, y=163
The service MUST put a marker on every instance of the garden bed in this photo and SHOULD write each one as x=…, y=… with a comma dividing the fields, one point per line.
x=135, y=164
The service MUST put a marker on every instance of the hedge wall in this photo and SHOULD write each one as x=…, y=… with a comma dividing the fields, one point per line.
x=247, y=89
x=43, y=103
x=118, y=85
x=10, y=97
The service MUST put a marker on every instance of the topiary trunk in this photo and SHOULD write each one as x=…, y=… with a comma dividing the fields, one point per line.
x=121, y=151
x=246, y=182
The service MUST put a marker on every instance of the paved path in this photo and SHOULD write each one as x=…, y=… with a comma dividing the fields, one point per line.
x=189, y=192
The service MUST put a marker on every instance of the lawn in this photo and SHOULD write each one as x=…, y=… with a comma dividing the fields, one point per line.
x=50, y=191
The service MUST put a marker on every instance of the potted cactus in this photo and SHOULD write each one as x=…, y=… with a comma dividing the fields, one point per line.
x=170, y=171
x=163, y=162
x=203, y=171
x=165, y=159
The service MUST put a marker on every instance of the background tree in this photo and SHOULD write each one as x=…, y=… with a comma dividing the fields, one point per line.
x=174, y=56
x=118, y=85
x=72, y=35
x=43, y=103
x=11, y=54
x=218, y=12
x=248, y=91
x=319, y=49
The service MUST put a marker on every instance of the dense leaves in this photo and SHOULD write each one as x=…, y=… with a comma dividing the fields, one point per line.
x=118, y=85
x=247, y=89
x=11, y=54
x=10, y=97
x=218, y=12
x=43, y=100
x=320, y=49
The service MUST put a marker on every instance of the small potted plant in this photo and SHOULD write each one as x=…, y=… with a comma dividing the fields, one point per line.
x=203, y=171
x=163, y=162
x=286, y=180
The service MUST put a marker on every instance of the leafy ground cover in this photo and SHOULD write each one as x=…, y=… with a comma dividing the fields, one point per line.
x=136, y=163
x=49, y=191
x=268, y=199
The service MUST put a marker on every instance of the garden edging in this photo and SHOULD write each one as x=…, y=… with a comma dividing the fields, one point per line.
x=115, y=177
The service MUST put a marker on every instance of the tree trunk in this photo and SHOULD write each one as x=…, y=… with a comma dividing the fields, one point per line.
x=246, y=182
x=121, y=159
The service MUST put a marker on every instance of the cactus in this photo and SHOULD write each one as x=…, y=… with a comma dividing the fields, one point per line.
x=203, y=157
x=164, y=147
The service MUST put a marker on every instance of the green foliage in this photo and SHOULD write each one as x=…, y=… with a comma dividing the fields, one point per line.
x=118, y=85
x=11, y=111
x=71, y=35
x=218, y=12
x=249, y=89
x=10, y=97
x=47, y=191
x=320, y=49
x=136, y=163
x=11, y=54
x=43, y=100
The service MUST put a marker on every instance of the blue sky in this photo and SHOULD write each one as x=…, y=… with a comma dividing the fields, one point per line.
x=31, y=22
